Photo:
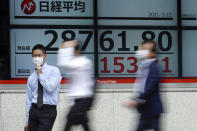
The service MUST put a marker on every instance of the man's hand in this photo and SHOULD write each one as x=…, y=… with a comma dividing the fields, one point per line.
x=39, y=70
x=67, y=44
x=130, y=103
x=26, y=128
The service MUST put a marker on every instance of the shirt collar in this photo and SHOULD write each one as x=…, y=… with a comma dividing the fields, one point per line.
x=44, y=66
x=145, y=63
x=149, y=60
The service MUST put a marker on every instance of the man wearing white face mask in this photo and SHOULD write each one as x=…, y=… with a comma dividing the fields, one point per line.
x=148, y=102
x=42, y=93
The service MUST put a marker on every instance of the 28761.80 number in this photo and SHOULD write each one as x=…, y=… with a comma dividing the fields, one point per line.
x=106, y=44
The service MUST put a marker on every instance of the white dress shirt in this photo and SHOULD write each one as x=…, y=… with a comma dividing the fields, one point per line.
x=80, y=69
x=50, y=80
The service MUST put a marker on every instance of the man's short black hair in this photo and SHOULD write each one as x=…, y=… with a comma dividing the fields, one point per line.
x=151, y=42
x=40, y=47
x=77, y=47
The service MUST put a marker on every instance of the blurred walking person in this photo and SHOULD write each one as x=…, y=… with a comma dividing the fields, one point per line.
x=82, y=87
x=149, y=102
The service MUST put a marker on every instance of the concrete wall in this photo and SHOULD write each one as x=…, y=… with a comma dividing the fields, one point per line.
x=107, y=114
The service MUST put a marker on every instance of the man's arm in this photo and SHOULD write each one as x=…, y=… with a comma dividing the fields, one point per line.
x=66, y=57
x=51, y=83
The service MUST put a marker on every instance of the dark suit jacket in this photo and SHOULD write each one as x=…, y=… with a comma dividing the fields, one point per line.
x=149, y=102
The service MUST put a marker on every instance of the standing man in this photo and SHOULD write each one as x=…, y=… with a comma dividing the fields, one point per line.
x=82, y=87
x=148, y=103
x=42, y=93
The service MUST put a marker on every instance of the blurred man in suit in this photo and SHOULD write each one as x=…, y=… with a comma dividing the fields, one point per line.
x=148, y=102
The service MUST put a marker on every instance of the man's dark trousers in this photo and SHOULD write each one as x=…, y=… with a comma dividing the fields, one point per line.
x=78, y=113
x=149, y=123
x=42, y=119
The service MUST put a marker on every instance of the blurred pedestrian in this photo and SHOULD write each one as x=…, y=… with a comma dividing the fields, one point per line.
x=81, y=90
x=149, y=102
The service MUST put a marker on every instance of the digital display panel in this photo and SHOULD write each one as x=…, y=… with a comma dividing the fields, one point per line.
x=51, y=12
x=189, y=12
x=137, y=12
x=23, y=40
x=117, y=51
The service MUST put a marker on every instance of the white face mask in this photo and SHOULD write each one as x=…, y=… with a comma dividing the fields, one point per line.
x=38, y=60
x=142, y=54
